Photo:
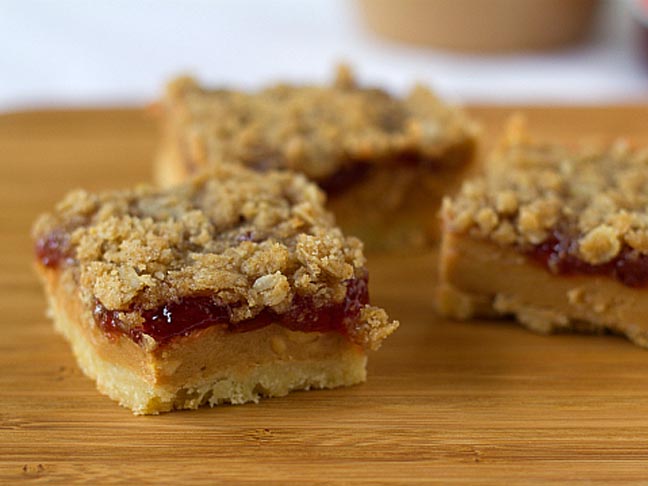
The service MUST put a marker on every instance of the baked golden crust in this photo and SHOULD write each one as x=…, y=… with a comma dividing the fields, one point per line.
x=316, y=130
x=251, y=241
x=597, y=197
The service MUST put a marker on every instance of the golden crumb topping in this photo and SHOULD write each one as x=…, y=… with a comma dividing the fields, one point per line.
x=597, y=198
x=255, y=241
x=317, y=130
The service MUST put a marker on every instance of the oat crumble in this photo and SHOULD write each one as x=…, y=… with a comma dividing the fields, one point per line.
x=247, y=238
x=599, y=198
x=316, y=130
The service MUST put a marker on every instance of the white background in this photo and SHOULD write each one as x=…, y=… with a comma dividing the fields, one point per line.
x=84, y=52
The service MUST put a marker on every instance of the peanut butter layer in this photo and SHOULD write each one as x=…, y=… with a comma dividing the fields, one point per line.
x=589, y=205
x=320, y=131
x=250, y=241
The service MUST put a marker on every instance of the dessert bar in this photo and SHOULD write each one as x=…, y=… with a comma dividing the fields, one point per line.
x=385, y=162
x=553, y=235
x=231, y=286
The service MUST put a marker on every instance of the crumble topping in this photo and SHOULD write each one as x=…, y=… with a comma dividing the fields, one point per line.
x=317, y=130
x=251, y=240
x=598, y=198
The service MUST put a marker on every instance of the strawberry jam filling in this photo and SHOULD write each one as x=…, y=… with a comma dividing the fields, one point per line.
x=559, y=254
x=182, y=317
x=53, y=249
x=189, y=314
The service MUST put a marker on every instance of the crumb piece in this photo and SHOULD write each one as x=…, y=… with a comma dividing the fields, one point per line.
x=530, y=224
x=486, y=219
x=600, y=245
x=375, y=327
x=506, y=202
x=504, y=233
x=637, y=239
x=273, y=289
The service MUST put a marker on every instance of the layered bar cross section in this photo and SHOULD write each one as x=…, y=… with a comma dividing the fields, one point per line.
x=231, y=286
x=556, y=236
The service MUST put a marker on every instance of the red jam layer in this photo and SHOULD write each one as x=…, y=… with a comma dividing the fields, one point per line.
x=192, y=313
x=53, y=249
x=558, y=254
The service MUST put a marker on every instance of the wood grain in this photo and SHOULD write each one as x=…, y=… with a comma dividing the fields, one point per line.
x=478, y=403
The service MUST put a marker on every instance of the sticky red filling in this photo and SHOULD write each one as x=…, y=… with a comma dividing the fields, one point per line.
x=558, y=254
x=189, y=314
x=52, y=249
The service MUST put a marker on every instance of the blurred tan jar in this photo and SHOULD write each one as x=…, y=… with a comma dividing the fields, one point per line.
x=481, y=25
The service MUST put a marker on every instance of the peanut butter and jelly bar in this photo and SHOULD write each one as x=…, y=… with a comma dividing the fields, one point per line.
x=384, y=162
x=228, y=287
x=555, y=236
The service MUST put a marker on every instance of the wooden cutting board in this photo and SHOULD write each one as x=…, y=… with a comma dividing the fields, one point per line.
x=479, y=402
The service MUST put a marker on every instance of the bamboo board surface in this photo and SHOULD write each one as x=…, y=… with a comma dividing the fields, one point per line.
x=480, y=402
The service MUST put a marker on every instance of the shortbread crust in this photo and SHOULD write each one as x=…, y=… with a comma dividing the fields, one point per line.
x=283, y=289
x=381, y=159
x=555, y=235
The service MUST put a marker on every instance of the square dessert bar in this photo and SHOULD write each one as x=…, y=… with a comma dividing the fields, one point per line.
x=231, y=286
x=384, y=162
x=556, y=237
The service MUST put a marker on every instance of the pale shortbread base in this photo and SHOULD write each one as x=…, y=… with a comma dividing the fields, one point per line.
x=482, y=279
x=208, y=367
